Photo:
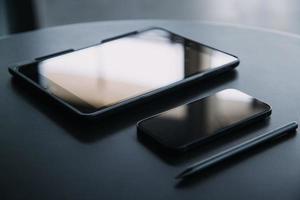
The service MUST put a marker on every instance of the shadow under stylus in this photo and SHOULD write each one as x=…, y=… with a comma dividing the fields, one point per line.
x=205, y=174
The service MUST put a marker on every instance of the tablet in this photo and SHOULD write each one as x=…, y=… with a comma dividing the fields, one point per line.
x=123, y=70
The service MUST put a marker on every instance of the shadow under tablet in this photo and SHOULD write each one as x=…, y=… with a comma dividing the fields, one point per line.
x=93, y=130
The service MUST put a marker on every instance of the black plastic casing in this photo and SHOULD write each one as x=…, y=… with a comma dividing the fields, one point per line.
x=14, y=70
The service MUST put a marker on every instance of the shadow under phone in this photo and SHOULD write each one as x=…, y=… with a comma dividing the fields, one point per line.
x=205, y=149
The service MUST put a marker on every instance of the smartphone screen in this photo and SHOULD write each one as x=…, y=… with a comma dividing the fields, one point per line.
x=109, y=73
x=189, y=124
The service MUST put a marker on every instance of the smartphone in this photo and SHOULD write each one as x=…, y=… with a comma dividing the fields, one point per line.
x=123, y=70
x=192, y=124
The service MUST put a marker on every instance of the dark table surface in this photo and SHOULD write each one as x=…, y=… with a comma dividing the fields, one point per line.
x=45, y=154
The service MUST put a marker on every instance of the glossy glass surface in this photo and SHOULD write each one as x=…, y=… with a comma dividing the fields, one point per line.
x=120, y=69
x=204, y=118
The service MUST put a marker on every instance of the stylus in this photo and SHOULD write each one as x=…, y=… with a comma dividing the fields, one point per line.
x=236, y=150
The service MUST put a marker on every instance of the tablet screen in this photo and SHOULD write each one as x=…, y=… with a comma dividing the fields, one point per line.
x=120, y=69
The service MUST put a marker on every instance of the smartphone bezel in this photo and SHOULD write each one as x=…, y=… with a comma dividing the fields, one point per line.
x=146, y=134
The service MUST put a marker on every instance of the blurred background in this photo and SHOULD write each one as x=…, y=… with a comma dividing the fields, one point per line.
x=24, y=15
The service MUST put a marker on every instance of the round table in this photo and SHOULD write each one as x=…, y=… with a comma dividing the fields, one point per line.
x=47, y=155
